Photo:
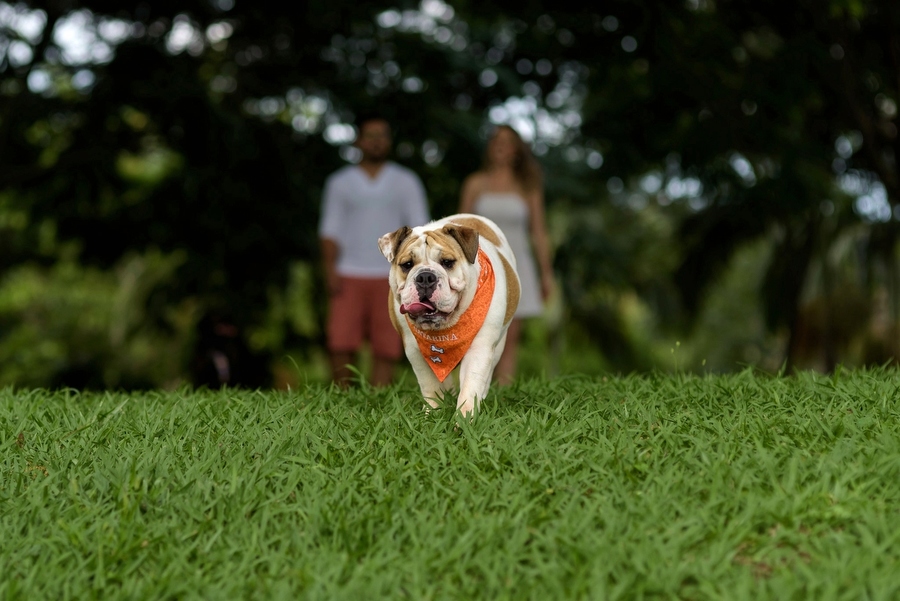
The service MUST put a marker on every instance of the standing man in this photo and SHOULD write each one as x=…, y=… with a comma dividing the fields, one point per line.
x=360, y=203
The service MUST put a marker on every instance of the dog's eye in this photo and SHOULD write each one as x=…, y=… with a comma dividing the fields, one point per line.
x=448, y=263
x=406, y=266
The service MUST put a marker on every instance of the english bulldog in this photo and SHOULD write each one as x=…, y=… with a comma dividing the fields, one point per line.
x=453, y=292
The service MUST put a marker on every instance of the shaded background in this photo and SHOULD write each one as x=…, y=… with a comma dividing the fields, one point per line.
x=721, y=176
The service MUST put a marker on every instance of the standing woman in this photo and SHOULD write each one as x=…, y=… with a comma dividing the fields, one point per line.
x=509, y=189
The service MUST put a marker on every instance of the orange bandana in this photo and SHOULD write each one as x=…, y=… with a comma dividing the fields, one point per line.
x=444, y=349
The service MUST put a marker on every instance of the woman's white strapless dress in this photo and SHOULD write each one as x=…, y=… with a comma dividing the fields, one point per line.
x=510, y=212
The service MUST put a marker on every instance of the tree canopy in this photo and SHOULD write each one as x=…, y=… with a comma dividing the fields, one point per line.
x=672, y=135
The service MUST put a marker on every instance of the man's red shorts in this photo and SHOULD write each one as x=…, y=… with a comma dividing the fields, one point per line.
x=359, y=311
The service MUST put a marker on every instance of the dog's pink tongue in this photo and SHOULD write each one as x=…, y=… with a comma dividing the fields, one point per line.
x=416, y=309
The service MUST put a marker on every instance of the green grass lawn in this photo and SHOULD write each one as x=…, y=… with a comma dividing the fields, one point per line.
x=739, y=486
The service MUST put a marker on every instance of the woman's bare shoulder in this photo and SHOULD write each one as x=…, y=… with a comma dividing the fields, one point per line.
x=476, y=178
x=475, y=182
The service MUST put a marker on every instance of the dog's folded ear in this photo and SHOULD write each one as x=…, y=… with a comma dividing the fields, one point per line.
x=390, y=243
x=466, y=237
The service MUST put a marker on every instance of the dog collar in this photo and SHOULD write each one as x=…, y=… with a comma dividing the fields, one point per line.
x=444, y=349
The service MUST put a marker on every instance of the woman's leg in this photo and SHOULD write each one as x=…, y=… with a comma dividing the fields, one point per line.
x=505, y=371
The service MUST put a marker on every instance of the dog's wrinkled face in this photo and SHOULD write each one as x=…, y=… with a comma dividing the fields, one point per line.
x=431, y=272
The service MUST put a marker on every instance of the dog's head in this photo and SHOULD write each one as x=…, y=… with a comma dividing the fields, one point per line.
x=433, y=272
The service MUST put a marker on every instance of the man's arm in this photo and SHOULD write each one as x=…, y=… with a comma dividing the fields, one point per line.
x=330, y=252
x=328, y=227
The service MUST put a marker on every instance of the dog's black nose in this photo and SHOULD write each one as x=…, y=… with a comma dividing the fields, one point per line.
x=426, y=279
x=426, y=282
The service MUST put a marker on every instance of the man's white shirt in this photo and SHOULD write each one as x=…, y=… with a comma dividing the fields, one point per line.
x=357, y=210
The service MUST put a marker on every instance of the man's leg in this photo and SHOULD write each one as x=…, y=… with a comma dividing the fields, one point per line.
x=387, y=346
x=344, y=331
x=382, y=371
x=340, y=367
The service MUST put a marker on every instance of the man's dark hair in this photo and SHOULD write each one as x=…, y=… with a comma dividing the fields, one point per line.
x=364, y=117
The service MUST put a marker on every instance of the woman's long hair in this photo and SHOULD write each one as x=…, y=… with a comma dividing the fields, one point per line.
x=526, y=168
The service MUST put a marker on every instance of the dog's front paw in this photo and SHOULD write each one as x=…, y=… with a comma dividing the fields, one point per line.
x=430, y=403
x=467, y=409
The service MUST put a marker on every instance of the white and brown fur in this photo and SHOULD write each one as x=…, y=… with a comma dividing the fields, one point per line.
x=447, y=248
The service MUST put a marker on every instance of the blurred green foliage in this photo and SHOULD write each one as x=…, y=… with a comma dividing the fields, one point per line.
x=721, y=176
x=71, y=325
